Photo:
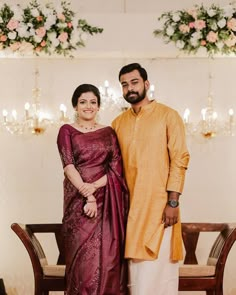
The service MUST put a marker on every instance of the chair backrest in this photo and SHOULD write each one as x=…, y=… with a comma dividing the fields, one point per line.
x=221, y=247
x=32, y=245
x=26, y=233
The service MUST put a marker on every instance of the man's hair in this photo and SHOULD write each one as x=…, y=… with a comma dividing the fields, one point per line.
x=83, y=88
x=131, y=67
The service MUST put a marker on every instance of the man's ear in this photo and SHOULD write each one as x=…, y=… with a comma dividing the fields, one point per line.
x=147, y=84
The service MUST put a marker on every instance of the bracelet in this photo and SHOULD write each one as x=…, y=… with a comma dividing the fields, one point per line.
x=91, y=201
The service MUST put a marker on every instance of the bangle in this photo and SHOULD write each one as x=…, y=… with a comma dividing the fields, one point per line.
x=91, y=201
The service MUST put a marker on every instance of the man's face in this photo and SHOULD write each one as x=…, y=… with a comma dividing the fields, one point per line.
x=133, y=86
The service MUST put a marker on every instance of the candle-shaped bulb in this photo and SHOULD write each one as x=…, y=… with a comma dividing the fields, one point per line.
x=231, y=112
x=27, y=107
x=106, y=84
x=186, y=115
x=14, y=115
x=203, y=112
x=4, y=113
x=63, y=111
x=152, y=88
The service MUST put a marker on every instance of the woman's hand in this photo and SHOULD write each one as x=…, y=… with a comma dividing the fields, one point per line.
x=87, y=189
x=90, y=208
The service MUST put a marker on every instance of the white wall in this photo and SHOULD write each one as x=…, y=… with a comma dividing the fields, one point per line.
x=31, y=173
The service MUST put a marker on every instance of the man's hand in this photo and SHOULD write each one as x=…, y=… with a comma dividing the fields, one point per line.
x=170, y=216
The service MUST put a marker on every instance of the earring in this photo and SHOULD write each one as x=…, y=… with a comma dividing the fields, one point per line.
x=76, y=116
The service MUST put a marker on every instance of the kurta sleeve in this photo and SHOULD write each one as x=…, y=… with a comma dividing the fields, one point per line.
x=64, y=146
x=178, y=153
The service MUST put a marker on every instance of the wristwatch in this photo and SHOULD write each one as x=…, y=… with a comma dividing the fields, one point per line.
x=173, y=203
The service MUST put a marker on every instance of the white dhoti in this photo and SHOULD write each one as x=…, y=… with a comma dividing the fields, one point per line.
x=156, y=277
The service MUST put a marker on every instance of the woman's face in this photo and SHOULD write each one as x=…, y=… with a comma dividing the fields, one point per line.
x=87, y=106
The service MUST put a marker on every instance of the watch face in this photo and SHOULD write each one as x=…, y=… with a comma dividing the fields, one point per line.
x=173, y=203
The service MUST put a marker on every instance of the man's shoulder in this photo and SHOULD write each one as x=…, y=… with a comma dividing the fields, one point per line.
x=165, y=108
x=119, y=118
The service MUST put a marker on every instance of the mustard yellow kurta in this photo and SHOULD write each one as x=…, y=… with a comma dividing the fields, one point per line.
x=155, y=160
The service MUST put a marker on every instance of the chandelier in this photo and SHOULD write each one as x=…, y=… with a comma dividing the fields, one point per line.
x=209, y=125
x=35, y=120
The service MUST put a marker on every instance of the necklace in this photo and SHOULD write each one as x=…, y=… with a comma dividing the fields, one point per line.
x=87, y=127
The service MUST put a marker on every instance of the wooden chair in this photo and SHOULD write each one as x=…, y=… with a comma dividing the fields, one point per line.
x=46, y=277
x=209, y=277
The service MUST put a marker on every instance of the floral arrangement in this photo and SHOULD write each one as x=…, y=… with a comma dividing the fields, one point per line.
x=42, y=29
x=210, y=30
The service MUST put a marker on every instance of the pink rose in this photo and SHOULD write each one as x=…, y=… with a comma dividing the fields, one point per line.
x=203, y=42
x=38, y=49
x=63, y=37
x=41, y=32
x=12, y=24
x=43, y=43
x=61, y=17
x=184, y=28
x=212, y=37
x=15, y=46
x=200, y=24
x=191, y=25
x=231, y=24
x=3, y=38
x=39, y=18
x=231, y=41
x=69, y=25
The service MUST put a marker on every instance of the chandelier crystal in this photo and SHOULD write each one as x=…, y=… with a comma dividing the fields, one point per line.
x=209, y=126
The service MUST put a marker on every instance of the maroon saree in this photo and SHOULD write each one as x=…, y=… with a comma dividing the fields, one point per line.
x=94, y=247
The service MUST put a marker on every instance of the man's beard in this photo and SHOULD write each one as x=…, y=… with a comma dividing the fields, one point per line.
x=135, y=99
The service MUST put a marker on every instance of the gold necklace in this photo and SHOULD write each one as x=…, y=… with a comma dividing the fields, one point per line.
x=87, y=128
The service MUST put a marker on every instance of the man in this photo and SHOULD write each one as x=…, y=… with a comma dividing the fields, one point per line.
x=152, y=141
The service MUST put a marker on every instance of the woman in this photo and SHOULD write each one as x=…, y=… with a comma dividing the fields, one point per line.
x=95, y=201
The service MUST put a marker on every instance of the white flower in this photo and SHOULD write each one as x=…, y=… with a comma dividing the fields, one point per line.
x=196, y=35
x=180, y=44
x=55, y=42
x=65, y=45
x=170, y=31
x=176, y=17
x=18, y=12
x=22, y=31
x=194, y=42
x=32, y=32
x=62, y=25
x=35, y=12
x=228, y=11
x=1, y=20
x=12, y=35
x=219, y=45
x=211, y=12
x=52, y=36
x=221, y=23
x=214, y=26
x=37, y=39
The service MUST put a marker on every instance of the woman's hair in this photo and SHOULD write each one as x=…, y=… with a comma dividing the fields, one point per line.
x=83, y=88
x=131, y=67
